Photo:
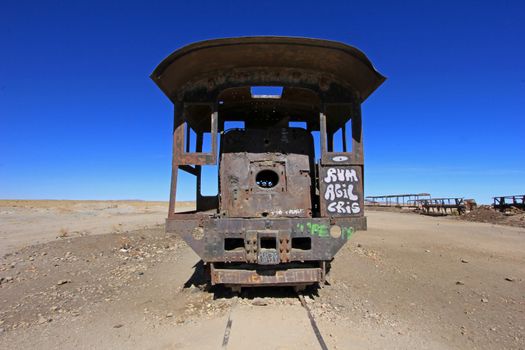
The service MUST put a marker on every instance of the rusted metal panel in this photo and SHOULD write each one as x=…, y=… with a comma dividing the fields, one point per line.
x=243, y=194
x=297, y=239
x=290, y=277
x=285, y=246
x=210, y=58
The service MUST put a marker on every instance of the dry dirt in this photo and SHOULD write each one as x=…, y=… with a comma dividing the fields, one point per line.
x=409, y=282
x=514, y=217
x=25, y=222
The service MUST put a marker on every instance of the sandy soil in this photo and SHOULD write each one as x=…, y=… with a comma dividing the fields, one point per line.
x=29, y=222
x=409, y=282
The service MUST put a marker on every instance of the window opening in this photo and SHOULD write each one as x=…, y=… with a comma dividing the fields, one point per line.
x=266, y=91
x=228, y=125
x=302, y=125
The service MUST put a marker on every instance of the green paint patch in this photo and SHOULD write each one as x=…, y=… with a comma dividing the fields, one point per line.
x=322, y=230
x=314, y=229
x=347, y=232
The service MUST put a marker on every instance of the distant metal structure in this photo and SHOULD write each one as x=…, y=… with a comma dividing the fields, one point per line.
x=503, y=203
x=408, y=200
x=470, y=204
x=442, y=206
x=290, y=175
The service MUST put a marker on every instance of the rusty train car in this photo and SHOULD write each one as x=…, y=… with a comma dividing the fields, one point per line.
x=290, y=175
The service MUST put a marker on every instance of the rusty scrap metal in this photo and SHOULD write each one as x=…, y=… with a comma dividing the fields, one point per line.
x=282, y=210
x=504, y=203
x=442, y=206
x=408, y=200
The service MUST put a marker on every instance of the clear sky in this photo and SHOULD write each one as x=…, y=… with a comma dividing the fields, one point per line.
x=80, y=118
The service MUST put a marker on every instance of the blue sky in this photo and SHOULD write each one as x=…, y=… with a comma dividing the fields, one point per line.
x=80, y=118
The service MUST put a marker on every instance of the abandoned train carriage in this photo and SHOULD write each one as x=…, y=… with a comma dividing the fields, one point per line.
x=291, y=177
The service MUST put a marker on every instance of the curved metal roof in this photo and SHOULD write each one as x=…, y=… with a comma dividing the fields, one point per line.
x=211, y=57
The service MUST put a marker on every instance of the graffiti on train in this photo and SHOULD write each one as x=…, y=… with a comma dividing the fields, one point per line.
x=339, y=191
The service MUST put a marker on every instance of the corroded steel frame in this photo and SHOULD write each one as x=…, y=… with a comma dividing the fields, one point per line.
x=181, y=159
x=249, y=277
x=503, y=203
x=409, y=200
x=324, y=85
x=442, y=206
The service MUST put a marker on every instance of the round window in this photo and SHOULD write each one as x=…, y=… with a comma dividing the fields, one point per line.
x=267, y=179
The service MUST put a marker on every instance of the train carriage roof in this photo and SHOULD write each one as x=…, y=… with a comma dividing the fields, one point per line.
x=211, y=58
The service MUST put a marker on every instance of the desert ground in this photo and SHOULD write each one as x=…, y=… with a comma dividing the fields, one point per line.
x=103, y=275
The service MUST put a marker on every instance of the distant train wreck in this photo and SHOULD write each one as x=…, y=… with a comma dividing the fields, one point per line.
x=423, y=203
x=504, y=203
x=397, y=200
x=442, y=206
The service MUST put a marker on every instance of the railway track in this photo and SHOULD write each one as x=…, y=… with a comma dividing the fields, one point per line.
x=317, y=333
x=313, y=324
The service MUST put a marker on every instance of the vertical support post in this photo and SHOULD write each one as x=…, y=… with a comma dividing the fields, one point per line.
x=203, y=202
x=343, y=129
x=198, y=168
x=357, y=134
x=214, y=121
x=322, y=137
x=188, y=137
x=322, y=129
x=177, y=149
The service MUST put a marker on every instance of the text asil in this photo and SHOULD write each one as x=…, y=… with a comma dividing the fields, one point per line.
x=339, y=194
